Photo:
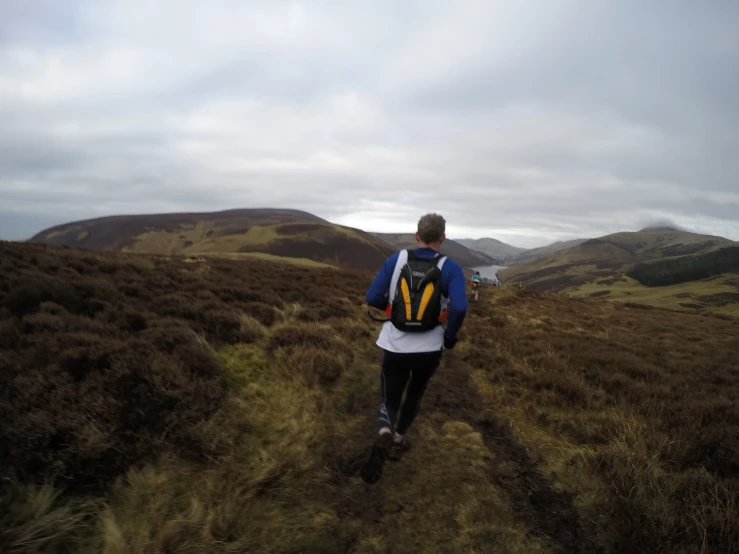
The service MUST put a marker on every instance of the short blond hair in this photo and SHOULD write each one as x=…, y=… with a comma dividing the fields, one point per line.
x=431, y=228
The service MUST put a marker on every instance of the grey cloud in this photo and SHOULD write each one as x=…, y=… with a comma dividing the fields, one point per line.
x=540, y=121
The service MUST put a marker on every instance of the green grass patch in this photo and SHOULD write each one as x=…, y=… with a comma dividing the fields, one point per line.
x=683, y=296
x=266, y=257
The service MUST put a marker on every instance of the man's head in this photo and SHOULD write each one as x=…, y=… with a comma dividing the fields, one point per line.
x=431, y=230
x=477, y=273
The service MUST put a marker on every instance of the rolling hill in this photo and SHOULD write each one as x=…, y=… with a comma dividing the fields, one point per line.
x=598, y=267
x=493, y=248
x=168, y=404
x=461, y=254
x=283, y=233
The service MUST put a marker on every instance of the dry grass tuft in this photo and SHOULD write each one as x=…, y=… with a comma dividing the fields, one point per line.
x=251, y=329
x=35, y=519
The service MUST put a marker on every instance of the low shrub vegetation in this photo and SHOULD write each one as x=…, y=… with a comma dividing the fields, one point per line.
x=152, y=405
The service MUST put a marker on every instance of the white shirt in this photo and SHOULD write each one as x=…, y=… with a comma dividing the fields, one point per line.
x=395, y=340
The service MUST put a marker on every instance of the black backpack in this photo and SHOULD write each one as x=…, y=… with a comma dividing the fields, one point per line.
x=417, y=303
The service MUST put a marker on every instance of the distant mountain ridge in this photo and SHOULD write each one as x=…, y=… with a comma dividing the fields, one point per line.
x=667, y=228
x=543, y=251
x=507, y=254
x=493, y=248
x=298, y=234
x=458, y=252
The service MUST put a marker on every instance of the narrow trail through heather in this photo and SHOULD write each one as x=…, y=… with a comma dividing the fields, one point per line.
x=547, y=513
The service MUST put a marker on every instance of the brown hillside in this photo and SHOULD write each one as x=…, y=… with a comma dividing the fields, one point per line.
x=286, y=233
x=120, y=231
x=461, y=254
x=608, y=258
x=235, y=406
x=542, y=251
x=598, y=268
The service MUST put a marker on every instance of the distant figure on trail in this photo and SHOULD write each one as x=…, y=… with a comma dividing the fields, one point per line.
x=520, y=285
x=419, y=290
x=476, y=283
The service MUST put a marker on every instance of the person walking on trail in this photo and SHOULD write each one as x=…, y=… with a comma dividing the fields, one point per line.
x=420, y=290
x=476, y=284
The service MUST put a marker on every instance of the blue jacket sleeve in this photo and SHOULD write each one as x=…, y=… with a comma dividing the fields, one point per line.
x=380, y=287
x=457, y=301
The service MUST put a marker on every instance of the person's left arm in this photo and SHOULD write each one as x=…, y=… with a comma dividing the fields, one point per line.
x=457, y=300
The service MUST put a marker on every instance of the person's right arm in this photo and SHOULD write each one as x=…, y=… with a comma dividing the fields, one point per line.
x=378, y=291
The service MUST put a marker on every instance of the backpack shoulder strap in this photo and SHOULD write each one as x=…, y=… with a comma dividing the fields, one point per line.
x=402, y=261
x=444, y=299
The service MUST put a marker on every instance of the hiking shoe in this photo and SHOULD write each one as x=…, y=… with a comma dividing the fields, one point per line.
x=372, y=469
x=399, y=447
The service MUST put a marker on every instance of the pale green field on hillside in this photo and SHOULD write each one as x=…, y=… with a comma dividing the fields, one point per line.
x=194, y=239
x=685, y=296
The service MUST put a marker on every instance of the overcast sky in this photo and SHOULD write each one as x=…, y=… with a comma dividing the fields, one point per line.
x=527, y=121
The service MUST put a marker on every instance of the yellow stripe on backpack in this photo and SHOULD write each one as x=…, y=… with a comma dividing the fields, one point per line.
x=406, y=298
x=425, y=299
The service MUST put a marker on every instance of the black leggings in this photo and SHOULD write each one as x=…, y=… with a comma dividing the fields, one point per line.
x=396, y=371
